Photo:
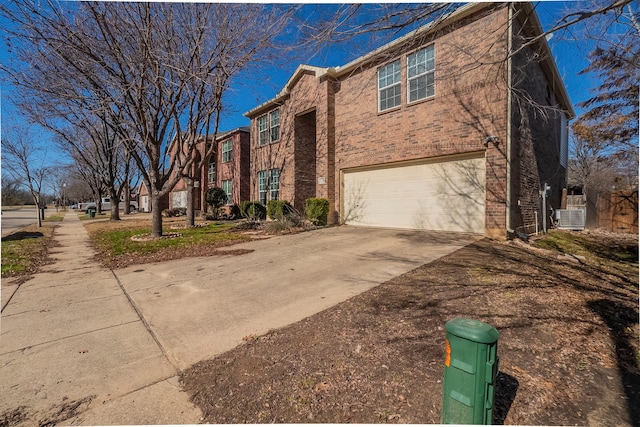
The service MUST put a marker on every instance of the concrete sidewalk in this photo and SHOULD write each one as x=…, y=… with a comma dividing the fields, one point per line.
x=72, y=343
x=84, y=345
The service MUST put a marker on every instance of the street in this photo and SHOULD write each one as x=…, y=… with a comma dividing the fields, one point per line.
x=12, y=220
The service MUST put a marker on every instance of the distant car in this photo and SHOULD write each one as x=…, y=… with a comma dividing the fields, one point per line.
x=74, y=206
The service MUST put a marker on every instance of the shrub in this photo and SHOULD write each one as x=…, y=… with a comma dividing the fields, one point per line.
x=253, y=210
x=279, y=209
x=317, y=210
x=216, y=198
x=174, y=212
x=232, y=212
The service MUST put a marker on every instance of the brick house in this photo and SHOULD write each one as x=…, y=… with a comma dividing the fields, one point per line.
x=228, y=168
x=424, y=132
x=144, y=199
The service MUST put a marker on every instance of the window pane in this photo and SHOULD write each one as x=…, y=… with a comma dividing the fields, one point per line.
x=274, y=184
x=275, y=125
x=211, y=176
x=275, y=118
x=227, y=187
x=262, y=186
x=227, y=151
x=389, y=75
x=431, y=84
x=390, y=97
x=263, y=130
x=389, y=87
x=417, y=89
x=420, y=74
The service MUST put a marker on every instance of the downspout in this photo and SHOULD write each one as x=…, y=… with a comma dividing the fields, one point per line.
x=509, y=88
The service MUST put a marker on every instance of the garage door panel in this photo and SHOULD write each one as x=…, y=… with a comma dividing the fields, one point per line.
x=446, y=196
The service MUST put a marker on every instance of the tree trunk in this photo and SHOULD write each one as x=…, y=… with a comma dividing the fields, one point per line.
x=115, y=211
x=39, y=210
x=127, y=200
x=191, y=214
x=115, y=206
x=156, y=215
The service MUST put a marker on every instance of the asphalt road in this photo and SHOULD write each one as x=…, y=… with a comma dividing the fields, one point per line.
x=13, y=220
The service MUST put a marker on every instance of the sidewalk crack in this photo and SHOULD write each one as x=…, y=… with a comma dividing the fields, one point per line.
x=174, y=363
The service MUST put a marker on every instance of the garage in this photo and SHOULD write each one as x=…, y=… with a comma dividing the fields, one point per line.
x=444, y=194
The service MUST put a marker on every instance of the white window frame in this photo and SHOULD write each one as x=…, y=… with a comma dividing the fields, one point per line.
x=390, y=78
x=211, y=171
x=274, y=184
x=274, y=125
x=227, y=151
x=262, y=186
x=263, y=130
x=421, y=72
x=227, y=187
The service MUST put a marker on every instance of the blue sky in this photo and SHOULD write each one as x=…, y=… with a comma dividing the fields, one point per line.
x=260, y=86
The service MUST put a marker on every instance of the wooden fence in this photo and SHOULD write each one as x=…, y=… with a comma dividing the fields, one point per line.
x=618, y=211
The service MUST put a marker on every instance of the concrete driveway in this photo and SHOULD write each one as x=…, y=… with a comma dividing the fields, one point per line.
x=84, y=345
x=200, y=307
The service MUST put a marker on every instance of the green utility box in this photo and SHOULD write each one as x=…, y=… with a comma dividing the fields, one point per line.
x=471, y=367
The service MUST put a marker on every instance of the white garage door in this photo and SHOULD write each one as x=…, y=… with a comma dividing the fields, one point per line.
x=446, y=195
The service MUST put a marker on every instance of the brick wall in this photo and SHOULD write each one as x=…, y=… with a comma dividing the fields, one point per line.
x=237, y=169
x=244, y=185
x=469, y=104
x=536, y=139
x=295, y=154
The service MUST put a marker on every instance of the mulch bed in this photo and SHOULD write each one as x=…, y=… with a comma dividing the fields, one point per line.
x=568, y=346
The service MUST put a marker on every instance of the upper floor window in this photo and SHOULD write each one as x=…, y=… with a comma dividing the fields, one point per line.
x=275, y=125
x=269, y=127
x=263, y=130
x=211, y=176
x=389, y=86
x=421, y=74
x=227, y=151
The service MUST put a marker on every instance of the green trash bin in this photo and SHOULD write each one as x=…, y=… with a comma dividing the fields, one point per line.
x=92, y=213
x=471, y=367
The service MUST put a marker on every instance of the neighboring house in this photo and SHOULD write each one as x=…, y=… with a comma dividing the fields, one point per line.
x=228, y=168
x=424, y=132
x=144, y=199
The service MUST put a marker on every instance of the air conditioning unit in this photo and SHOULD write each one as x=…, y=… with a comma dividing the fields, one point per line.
x=571, y=219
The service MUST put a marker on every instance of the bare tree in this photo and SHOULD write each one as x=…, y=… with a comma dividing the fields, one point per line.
x=612, y=111
x=78, y=188
x=605, y=137
x=157, y=70
x=26, y=162
x=13, y=193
